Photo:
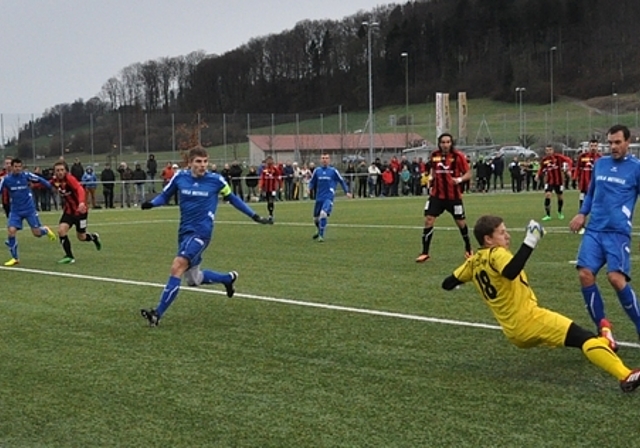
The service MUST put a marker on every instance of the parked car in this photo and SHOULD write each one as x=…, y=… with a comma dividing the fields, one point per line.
x=509, y=152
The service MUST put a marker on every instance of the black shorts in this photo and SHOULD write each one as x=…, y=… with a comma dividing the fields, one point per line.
x=558, y=189
x=436, y=206
x=80, y=221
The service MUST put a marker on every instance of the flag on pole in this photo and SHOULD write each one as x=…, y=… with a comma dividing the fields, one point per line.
x=462, y=116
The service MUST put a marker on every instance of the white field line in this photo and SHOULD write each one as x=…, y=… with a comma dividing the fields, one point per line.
x=324, y=306
x=310, y=224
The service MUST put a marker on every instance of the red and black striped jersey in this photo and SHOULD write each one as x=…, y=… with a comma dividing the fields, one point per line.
x=444, y=168
x=72, y=192
x=5, y=192
x=553, y=167
x=586, y=160
x=270, y=179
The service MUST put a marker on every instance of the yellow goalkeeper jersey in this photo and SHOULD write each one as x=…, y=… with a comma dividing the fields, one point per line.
x=511, y=301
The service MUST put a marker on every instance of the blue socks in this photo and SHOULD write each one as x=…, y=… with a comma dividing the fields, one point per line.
x=12, y=244
x=169, y=293
x=629, y=303
x=594, y=303
x=215, y=277
x=322, y=225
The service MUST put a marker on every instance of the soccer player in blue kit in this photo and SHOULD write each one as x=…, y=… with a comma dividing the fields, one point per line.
x=610, y=201
x=198, y=191
x=324, y=180
x=16, y=183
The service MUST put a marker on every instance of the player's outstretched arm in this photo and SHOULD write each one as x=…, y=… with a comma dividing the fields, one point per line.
x=534, y=233
x=244, y=208
x=450, y=282
x=158, y=201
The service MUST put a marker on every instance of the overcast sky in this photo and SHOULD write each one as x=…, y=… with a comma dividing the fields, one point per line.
x=56, y=52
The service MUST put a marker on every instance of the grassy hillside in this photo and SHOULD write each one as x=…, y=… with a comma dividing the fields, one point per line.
x=572, y=121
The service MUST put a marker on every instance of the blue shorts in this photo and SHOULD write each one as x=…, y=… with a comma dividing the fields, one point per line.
x=191, y=248
x=598, y=248
x=16, y=217
x=326, y=205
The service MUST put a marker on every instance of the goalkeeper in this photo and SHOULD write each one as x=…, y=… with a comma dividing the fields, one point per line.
x=500, y=278
x=198, y=191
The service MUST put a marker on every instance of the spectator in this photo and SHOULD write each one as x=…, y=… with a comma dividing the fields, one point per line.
x=77, y=170
x=90, y=182
x=252, y=184
x=498, y=171
x=152, y=170
x=108, y=179
x=139, y=177
x=235, y=172
x=305, y=178
x=287, y=178
x=126, y=176
x=362, y=174
x=374, y=174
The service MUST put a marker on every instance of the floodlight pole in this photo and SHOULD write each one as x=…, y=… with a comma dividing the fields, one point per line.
x=551, y=50
x=369, y=26
x=405, y=56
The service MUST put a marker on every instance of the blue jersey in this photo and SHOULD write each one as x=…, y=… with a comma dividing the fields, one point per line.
x=324, y=182
x=20, y=192
x=198, y=199
x=612, y=194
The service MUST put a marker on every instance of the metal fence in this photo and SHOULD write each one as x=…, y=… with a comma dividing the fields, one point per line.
x=133, y=136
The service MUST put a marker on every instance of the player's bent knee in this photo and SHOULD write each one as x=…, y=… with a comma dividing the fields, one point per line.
x=323, y=214
x=577, y=336
x=586, y=277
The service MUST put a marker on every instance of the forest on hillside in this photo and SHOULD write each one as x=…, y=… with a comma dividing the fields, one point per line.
x=487, y=48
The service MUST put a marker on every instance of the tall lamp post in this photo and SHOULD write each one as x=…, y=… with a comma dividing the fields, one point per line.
x=519, y=92
x=405, y=56
x=551, y=50
x=369, y=26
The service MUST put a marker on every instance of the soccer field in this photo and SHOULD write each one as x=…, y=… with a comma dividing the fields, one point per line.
x=341, y=344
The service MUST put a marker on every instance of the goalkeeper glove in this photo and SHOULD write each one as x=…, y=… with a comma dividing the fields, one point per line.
x=260, y=220
x=534, y=234
x=146, y=205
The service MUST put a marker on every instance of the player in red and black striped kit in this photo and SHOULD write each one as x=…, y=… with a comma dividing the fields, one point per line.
x=449, y=169
x=5, y=193
x=270, y=183
x=74, y=213
x=584, y=168
x=553, y=166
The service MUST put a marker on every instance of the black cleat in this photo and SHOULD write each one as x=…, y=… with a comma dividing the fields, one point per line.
x=631, y=382
x=151, y=316
x=231, y=290
x=315, y=236
x=96, y=241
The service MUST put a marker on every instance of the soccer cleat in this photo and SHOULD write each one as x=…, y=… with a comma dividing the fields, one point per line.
x=547, y=218
x=151, y=316
x=231, y=290
x=422, y=258
x=96, y=241
x=605, y=332
x=560, y=215
x=316, y=236
x=631, y=382
x=66, y=260
x=50, y=234
x=12, y=262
